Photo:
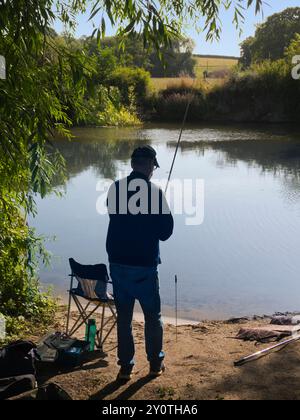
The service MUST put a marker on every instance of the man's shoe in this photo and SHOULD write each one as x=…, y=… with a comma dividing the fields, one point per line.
x=157, y=370
x=125, y=374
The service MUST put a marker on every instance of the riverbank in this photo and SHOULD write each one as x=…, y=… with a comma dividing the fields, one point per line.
x=199, y=366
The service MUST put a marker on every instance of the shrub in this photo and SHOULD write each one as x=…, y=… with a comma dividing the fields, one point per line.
x=293, y=49
x=183, y=86
x=128, y=79
x=107, y=109
x=21, y=298
x=172, y=107
x=266, y=92
x=170, y=104
x=121, y=117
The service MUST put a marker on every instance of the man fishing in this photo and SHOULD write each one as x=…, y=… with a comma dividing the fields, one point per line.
x=139, y=219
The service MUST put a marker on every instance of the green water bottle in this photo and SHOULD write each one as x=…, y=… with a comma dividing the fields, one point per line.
x=91, y=333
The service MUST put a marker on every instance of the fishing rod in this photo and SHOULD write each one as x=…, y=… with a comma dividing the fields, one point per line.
x=179, y=140
x=267, y=351
x=176, y=306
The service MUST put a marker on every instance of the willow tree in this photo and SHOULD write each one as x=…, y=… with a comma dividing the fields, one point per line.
x=43, y=82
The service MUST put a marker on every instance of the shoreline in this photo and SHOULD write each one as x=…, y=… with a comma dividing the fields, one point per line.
x=187, y=316
x=139, y=317
x=169, y=319
x=293, y=124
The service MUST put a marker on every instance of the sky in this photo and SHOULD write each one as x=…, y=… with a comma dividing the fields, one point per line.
x=230, y=40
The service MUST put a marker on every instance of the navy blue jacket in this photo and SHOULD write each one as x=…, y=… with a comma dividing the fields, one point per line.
x=133, y=239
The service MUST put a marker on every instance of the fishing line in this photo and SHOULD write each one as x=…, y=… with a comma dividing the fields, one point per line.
x=179, y=140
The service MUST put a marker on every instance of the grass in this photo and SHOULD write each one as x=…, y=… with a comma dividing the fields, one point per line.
x=158, y=84
x=166, y=393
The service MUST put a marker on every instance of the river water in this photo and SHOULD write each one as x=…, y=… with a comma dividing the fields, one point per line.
x=244, y=257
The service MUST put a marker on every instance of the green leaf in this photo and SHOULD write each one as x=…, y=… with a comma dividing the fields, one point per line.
x=94, y=13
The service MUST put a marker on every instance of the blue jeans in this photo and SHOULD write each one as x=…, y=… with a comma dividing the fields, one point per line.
x=142, y=284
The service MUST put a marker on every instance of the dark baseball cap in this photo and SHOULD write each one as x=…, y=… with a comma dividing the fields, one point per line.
x=147, y=152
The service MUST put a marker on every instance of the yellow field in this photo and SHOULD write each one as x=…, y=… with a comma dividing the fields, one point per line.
x=203, y=63
x=213, y=64
x=158, y=84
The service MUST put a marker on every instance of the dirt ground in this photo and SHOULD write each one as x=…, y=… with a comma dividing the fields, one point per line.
x=199, y=367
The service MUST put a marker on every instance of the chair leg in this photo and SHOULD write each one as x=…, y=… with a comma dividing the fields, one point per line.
x=112, y=319
x=75, y=326
x=69, y=308
x=83, y=315
x=112, y=310
x=108, y=333
x=100, y=343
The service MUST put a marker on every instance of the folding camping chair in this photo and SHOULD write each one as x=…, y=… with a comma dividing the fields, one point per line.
x=90, y=295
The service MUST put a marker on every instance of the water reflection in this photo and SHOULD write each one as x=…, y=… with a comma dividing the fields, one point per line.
x=271, y=155
x=99, y=150
x=273, y=149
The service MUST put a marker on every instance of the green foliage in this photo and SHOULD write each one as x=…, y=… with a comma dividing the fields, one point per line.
x=20, y=293
x=117, y=117
x=111, y=89
x=177, y=58
x=272, y=38
x=266, y=92
x=246, y=52
x=293, y=49
x=104, y=56
x=32, y=104
x=129, y=80
x=107, y=109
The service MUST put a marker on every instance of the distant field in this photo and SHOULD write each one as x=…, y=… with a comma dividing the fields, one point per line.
x=203, y=63
x=213, y=64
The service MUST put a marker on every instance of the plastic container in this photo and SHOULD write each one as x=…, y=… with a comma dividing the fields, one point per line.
x=75, y=355
x=91, y=333
x=2, y=328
